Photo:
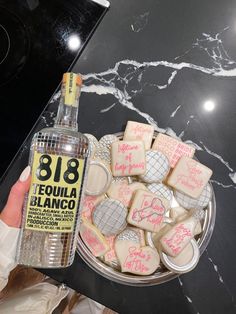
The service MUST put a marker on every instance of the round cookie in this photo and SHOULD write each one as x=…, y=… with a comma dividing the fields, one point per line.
x=197, y=203
x=157, y=167
x=161, y=190
x=99, y=178
x=94, y=144
x=103, y=153
x=109, y=217
x=107, y=140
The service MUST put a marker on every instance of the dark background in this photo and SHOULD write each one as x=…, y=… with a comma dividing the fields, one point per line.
x=164, y=30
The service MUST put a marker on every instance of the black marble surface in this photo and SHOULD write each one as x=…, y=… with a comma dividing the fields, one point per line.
x=166, y=63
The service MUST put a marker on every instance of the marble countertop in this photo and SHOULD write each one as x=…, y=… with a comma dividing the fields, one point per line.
x=171, y=64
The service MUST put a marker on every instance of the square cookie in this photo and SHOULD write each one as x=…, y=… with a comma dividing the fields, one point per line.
x=172, y=148
x=189, y=176
x=147, y=211
x=122, y=191
x=139, y=132
x=128, y=158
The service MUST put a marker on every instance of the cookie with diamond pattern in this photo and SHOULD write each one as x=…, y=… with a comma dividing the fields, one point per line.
x=107, y=140
x=188, y=202
x=94, y=144
x=103, y=154
x=109, y=217
x=161, y=190
x=157, y=167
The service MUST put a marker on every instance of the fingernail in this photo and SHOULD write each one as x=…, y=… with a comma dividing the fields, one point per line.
x=25, y=174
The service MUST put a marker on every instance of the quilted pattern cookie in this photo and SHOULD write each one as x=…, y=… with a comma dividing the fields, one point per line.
x=109, y=217
x=188, y=202
x=157, y=167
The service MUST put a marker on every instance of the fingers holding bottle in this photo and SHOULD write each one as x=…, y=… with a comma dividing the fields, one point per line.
x=12, y=212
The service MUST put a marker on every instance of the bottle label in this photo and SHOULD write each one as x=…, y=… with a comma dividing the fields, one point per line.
x=70, y=81
x=54, y=193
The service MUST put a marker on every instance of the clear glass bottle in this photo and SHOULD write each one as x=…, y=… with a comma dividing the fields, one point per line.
x=58, y=157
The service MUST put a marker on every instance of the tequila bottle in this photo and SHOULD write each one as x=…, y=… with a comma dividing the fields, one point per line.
x=58, y=157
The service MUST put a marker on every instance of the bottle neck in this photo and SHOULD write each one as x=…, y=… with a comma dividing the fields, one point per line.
x=67, y=113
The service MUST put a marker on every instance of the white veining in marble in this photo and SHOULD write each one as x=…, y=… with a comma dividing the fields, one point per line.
x=220, y=278
x=233, y=177
x=217, y=156
x=116, y=81
x=224, y=186
x=187, y=296
x=175, y=111
x=108, y=108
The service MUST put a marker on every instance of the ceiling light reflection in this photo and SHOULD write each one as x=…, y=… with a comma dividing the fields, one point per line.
x=209, y=105
x=73, y=42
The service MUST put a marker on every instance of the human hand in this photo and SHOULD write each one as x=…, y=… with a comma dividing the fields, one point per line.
x=12, y=212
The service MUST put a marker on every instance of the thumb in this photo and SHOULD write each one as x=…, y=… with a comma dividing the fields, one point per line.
x=12, y=212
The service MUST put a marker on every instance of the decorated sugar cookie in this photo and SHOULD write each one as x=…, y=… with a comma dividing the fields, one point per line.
x=190, y=177
x=139, y=132
x=110, y=257
x=180, y=213
x=140, y=233
x=147, y=211
x=123, y=191
x=109, y=217
x=93, y=142
x=106, y=141
x=99, y=178
x=185, y=261
x=188, y=202
x=133, y=258
x=88, y=204
x=93, y=239
x=157, y=167
x=128, y=158
x=103, y=154
x=161, y=190
x=172, y=148
x=175, y=240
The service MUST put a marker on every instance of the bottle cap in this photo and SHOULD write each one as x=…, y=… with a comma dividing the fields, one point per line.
x=185, y=261
x=70, y=90
x=68, y=75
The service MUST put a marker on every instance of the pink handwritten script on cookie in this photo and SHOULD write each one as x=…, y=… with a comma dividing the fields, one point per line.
x=135, y=260
x=192, y=179
x=110, y=256
x=176, y=239
x=122, y=191
x=93, y=239
x=128, y=158
x=147, y=211
x=189, y=177
x=88, y=205
x=172, y=148
x=139, y=131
